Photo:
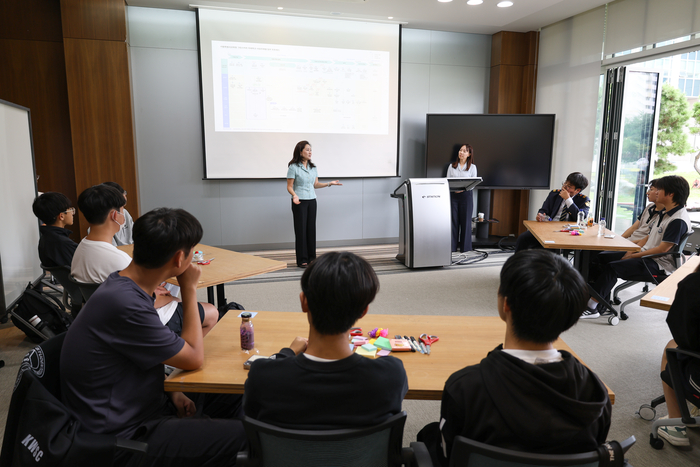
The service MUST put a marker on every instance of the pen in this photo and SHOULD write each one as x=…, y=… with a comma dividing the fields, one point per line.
x=413, y=349
x=413, y=339
x=425, y=350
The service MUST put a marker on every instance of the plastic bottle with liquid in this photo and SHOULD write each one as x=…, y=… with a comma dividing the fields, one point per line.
x=601, y=227
x=41, y=326
x=247, y=333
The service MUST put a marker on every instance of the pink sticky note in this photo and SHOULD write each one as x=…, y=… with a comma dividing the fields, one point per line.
x=383, y=353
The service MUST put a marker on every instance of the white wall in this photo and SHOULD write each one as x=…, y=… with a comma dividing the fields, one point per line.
x=441, y=73
x=567, y=85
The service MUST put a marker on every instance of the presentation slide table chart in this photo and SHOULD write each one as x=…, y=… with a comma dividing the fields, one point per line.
x=464, y=340
x=661, y=297
x=227, y=266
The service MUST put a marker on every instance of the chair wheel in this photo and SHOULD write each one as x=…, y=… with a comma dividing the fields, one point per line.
x=616, y=301
x=613, y=320
x=656, y=443
x=623, y=316
x=646, y=412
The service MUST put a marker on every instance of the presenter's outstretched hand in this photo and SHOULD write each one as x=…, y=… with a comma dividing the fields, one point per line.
x=335, y=182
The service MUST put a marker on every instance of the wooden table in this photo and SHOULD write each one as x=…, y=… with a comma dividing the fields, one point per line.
x=464, y=340
x=227, y=266
x=550, y=236
x=663, y=294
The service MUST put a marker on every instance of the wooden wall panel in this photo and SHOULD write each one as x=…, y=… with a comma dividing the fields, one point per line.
x=100, y=114
x=512, y=91
x=34, y=20
x=35, y=77
x=94, y=19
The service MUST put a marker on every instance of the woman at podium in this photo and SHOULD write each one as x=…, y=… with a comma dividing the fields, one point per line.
x=302, y=179
x=462, y=202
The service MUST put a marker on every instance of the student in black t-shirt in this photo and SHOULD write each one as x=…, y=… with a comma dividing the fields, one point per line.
x=322, y=377
x=526, y=395
x=113, y=355
x=55, y=211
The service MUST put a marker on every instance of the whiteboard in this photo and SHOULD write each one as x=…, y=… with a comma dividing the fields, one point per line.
x=19, y=255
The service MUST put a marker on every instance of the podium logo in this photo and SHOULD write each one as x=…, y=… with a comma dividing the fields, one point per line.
x=432, y=196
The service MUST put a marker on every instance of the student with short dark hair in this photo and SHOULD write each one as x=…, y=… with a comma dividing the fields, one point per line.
x=666, y=232
x=96, y=257
x=125, y=235
x=642, y=226
x=323, y=379
x=56, y=212
x=526, y=395
x=560, y=205
x=113, y=355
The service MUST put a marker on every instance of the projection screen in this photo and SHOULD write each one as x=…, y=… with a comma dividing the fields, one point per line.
x=269, y=81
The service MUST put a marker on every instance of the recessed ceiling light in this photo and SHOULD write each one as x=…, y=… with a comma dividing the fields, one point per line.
x=475, y=2
x=505, y=4
x=391, y=17
x=444, y=1
x=280, y=8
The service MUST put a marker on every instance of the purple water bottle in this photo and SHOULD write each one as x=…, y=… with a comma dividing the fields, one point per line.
x=247, y=334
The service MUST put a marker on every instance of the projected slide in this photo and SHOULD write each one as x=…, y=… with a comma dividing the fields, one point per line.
x=286, y=88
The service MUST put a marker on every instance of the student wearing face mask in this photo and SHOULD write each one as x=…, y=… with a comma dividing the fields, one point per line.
x=96, y=257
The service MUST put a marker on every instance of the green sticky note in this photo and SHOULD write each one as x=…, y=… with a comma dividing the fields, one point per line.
x=383, y=343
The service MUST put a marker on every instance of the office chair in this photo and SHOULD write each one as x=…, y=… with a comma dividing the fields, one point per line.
x=72, y=298
x=40, y=430
x=86, y=289
x=470, y=453
x=677, y=254
x=375, y=446
x=648, y=411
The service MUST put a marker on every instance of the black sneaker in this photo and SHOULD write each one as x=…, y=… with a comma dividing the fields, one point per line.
x=590, y=314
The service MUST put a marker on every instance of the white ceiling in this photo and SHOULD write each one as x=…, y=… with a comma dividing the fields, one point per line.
x=456, y=16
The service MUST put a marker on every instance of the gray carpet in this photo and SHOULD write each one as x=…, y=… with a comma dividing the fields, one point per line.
x=626, y=357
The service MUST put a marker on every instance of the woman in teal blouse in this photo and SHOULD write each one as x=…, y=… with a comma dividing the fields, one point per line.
x=302, y=178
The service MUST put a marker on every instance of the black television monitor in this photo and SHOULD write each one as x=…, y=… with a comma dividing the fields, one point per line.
x=510, y=151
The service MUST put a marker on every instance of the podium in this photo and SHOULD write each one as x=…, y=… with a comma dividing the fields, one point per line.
x=424, y=222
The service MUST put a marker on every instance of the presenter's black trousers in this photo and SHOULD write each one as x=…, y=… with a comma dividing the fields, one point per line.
x=462, y=206
x=305, y=230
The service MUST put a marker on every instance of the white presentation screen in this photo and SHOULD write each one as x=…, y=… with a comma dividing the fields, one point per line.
x=269, y=81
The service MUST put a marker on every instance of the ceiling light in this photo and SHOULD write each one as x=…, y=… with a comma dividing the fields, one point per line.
x=505, y=4
x=280, y=8
x=475, y=2
x=444, y=1
x=391, y=17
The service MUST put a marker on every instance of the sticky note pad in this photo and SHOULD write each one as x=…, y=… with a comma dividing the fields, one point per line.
x=383, y=343
x=400, y=345
x=660, y=298
x=383, y=353
x=549, y=241
x=369, y=347
x=359, y=340
x=366, y=353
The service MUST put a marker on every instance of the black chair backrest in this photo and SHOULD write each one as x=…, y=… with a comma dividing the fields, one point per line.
x=62, y=274
x=379, y=445
x=676, y=374
x=470, y=453
x=86, y=289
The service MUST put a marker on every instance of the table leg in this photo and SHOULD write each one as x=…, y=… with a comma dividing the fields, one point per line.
x=220, y=296
x=210, y=295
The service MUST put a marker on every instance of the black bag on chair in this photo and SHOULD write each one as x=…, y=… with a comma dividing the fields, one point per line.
x=50, y=311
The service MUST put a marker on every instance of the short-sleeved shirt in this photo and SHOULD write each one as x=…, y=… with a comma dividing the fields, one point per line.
x=304, y=179
x=55, y=247
x=461, y=171
x=94, y=261
x=111, y=361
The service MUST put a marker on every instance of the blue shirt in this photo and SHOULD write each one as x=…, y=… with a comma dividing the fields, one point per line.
x=304, y=180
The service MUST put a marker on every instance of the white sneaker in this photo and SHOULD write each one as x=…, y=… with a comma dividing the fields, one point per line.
x=676, y=435
x=590, y=314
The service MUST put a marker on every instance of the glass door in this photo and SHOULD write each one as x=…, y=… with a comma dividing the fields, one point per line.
x=628, y=141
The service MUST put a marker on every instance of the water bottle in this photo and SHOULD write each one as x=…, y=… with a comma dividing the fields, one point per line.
x=581, y=220
x=41, y=326
x=601, y=227
x=247, y=334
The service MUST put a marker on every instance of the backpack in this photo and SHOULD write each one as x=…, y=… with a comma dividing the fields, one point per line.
x=48, y=309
